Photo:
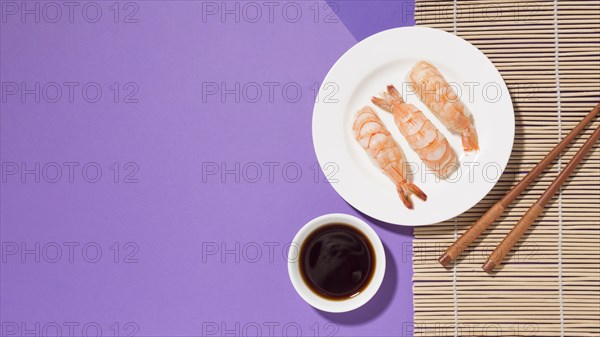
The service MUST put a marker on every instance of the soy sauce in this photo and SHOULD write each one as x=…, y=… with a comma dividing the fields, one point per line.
x=337, y=261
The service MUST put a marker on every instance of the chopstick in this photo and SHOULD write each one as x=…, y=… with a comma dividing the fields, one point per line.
x=537, y=208
x=454, y=250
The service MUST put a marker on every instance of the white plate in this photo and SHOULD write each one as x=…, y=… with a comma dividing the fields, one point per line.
x=385, y=58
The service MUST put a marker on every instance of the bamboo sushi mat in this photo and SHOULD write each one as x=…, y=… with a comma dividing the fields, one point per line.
x=548, y=52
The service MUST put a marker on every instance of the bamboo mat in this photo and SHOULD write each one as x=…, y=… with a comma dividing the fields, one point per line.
x=548, y=52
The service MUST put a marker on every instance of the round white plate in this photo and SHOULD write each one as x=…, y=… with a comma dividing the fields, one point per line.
x=386, y=58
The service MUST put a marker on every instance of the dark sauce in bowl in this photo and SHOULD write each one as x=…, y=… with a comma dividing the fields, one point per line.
x=337, y=261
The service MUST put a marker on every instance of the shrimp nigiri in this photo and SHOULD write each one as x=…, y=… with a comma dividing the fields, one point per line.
x=372, y=135
x=438, y=95
x=422, y=136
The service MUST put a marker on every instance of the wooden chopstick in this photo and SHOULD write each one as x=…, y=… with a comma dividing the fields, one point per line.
x=536, y=209
x=454, y=250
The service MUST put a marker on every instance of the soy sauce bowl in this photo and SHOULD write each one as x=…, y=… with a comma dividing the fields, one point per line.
x=336, y=305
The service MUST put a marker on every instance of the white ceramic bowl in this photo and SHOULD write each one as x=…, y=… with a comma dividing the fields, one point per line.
x=314, y=299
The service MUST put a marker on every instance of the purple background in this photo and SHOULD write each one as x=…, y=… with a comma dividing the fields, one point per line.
x=165, y=279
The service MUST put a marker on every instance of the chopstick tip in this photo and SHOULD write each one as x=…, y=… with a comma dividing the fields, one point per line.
x=444, y=259
x=488, y=266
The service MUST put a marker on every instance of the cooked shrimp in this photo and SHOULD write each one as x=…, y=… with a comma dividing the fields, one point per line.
x=422, y=136
x=373, y=136
x=438, y=95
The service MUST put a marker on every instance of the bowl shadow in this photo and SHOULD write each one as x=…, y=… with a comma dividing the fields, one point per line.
x=376, y=305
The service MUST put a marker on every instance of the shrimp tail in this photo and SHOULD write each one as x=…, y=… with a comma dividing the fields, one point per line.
x=404, y=188
x=394, y=93
x=469, y=139
x=417, y=191
x=382, y=103
x=403, y=192
x=388, y=98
